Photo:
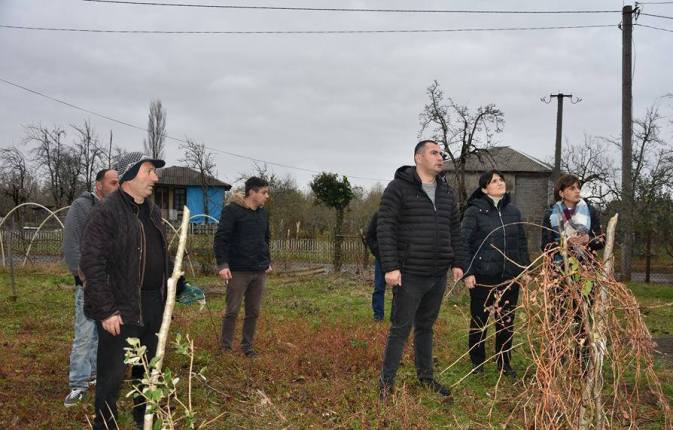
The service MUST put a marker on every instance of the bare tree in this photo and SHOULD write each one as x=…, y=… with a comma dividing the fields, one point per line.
x=49, y=157
x=72, y=172
x=591, y=163
x=652, y=173
x=17, y=182
x=198, y=158
x=89, y=153
x=156, y=131
x=463, y=133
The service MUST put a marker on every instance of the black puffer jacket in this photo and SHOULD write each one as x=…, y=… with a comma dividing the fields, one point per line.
x=486, y=228
x=413, y=236
x=113, y=258
x=242, y=239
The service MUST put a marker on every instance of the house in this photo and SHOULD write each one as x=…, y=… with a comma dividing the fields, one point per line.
x=180, y=186
x=528, y=181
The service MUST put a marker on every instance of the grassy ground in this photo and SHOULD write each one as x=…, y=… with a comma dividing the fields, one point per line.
x=319, y=362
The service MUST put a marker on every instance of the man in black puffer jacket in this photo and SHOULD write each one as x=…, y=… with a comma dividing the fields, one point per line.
x=419, y=241
x=125, y=265
x=241, y=247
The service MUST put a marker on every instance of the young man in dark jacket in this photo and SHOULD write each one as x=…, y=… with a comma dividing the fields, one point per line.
x=241, y=247
x=124, y=263
x=419, y=241
x=84, y=345
x=379, y=294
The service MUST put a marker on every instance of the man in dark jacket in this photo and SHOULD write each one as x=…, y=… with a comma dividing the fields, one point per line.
x=379, y=294
x=84, y=345
x=124, y=263
x=241, y=247
x=419, y=241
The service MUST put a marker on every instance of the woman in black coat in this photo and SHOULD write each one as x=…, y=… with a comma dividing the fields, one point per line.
x=490, y=229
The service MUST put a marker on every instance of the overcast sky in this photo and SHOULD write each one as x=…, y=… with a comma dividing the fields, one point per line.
x=344, y=103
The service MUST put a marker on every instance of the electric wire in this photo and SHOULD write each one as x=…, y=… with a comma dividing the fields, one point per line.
x=177, y=139
x=334, y=9
x=289, y=32
x=654, y=28
x=656, y=16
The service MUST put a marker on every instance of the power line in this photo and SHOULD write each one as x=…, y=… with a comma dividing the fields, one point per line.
x=177, y=139
x=655, y=28
x=265, y=32
x=656, y=16
x=328, y=9
x=655, y=2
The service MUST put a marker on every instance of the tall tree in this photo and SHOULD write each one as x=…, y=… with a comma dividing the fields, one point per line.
x=49, y=155
x=156, y=131
x=463, y=133
x=337, y=194
x=197, y=157
x=89, y=152
x=17, y=183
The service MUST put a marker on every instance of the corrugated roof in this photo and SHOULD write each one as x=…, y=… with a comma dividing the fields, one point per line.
x=504, y=159
x=184, y=176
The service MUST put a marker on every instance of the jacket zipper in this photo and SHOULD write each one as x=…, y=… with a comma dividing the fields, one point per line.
x=141, y=268
x=504, y=241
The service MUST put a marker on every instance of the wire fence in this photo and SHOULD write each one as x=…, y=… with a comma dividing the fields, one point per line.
x=288, y=253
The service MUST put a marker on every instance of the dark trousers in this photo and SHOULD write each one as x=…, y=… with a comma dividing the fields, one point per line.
x=378, y=296
x=483, y=300
x=110, y=360
x=415, y=303
x=248, y=286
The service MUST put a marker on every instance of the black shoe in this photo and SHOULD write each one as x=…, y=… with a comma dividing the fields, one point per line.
x=250, y=353
x=508, y=371
x=436, y=387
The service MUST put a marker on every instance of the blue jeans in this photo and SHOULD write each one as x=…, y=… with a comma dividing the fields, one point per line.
x=84, y=346
x=378, y=295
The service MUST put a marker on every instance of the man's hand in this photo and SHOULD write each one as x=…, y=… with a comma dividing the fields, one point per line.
x=470, y=281
x=457, y=273
x=268, y=270
x=394, y=278
x=113, y=324
x=225, y=274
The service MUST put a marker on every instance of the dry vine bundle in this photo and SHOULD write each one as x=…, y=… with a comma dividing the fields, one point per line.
x=591, y=353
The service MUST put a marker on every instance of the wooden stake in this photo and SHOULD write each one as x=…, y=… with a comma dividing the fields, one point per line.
x=168, y=310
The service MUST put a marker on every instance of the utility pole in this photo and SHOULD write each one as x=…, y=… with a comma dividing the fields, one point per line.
x=559, y=129
x=627, y=149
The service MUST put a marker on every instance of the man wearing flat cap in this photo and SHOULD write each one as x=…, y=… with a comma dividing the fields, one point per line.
x=125, y=266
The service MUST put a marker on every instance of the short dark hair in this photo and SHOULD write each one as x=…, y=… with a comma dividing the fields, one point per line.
x=420, y=145
x=563, y=182
x=254, y=183
x=101, y=174
x=487, y=177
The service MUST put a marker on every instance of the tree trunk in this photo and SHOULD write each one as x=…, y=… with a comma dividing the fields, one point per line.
x=648, y=255
x=338, y=239
x=204, y=189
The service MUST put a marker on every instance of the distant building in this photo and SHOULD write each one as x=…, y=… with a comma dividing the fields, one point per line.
x=181, y=186
x=528, y=181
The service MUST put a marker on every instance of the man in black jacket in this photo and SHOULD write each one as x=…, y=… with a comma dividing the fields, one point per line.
x=419, y=241
x=124, y=263
x=241, y=247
